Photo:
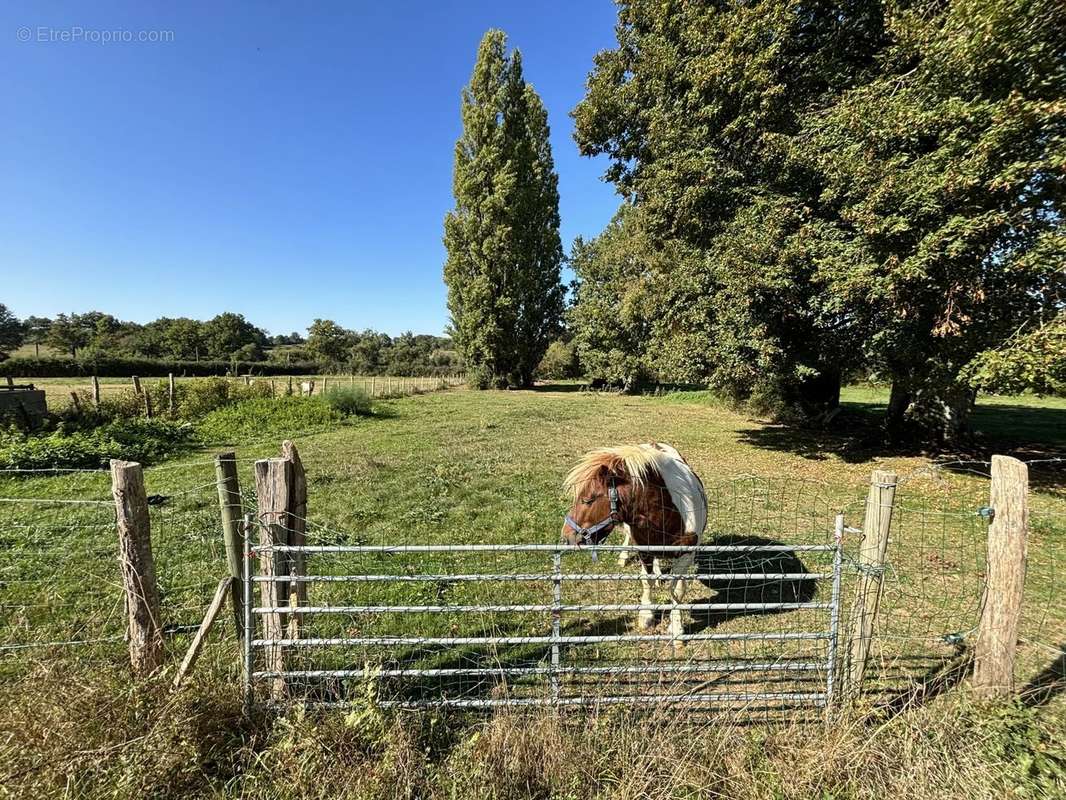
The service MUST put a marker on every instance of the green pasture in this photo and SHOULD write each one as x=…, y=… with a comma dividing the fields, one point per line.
x=468, y=467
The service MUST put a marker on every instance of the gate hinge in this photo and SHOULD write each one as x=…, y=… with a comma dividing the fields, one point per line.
x=987, y=512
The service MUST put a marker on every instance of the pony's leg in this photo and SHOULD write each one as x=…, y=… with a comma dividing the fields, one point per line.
x=626, y=557
x=646, y=617
x=677, y=595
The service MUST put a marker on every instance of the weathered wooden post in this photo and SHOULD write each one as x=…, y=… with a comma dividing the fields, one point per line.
x=75, y=402
x=1008, y=534
x=138, y=568
x=289, y=392
x=96, y=391
x=171, y=393
x=325, y=384
x=147, y=398
x=273, y=483
x=136, y=385
x=229, y=501
x=298, y=531
x=877, y=522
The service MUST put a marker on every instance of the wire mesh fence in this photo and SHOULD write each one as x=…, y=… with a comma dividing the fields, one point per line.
x=61, y=591
x=433, y=620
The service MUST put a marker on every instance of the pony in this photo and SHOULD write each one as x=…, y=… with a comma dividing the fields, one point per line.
x=654, y=496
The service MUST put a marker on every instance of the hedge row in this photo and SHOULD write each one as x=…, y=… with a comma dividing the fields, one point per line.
x=142, y=367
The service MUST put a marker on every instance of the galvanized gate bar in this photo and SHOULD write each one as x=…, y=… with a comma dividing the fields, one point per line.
x=543, y=548
x=518, y=576
x=660, y=669
x=814, y=698
x=495, y=640
x=542, y=607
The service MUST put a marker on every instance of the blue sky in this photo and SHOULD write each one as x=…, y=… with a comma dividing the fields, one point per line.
x=268, y=160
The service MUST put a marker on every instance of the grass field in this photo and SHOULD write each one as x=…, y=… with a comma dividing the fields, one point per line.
x=462, y=466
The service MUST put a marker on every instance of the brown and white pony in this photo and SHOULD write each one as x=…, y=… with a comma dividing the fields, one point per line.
x=651, y=493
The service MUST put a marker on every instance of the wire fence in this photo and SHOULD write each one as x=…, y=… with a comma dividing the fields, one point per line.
x=60, y=587
x=484, y=626
x=58, y=390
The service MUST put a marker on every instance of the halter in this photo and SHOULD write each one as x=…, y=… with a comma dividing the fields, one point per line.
x=607, y=523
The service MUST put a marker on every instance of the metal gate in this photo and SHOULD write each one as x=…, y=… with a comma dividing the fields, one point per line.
x=484, y=625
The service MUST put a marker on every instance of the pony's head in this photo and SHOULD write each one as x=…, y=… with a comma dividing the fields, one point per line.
x=600, y=485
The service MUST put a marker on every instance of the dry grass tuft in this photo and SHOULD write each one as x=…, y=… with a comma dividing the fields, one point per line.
x=101, y=735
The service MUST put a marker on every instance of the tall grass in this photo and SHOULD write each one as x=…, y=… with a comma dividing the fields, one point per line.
x=100, y=735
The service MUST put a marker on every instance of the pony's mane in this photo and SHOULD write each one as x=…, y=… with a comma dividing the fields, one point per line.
x=633, y=460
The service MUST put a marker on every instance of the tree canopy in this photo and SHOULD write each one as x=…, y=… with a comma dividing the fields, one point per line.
x=502, y=237
x=856, y=185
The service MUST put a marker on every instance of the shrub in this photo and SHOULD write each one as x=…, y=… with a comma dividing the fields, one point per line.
x=559, y=362
x=266, y=417
x=349, y=401
x=69, y=446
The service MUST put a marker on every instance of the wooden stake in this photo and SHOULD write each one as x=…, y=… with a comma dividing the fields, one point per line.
x=875, y=528
x=171, y=393
x=298, y=532
x=147, y=405
x=273, y=484
x=76, y=402
x=229, y=501
x=96, y=391
x=138, y=567
x=290, y=387
x=136, y=385
x=1008, y=533
x=224, y=588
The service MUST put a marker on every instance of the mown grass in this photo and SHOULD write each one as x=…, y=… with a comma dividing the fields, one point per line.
x=462, y=466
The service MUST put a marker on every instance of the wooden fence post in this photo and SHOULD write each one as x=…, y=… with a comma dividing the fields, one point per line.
x=171, y=392
x=273, y=484
x=298, y=531
x=96, y=391
x=289, y=392
x=229, y=501
x=877, y=522
x=138, y=568
x=1008, y=533
x=136, y=385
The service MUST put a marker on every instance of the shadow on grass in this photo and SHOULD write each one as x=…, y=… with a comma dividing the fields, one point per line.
x=855, y=436
x=750, y=590
x=1050, y=683
x=944, y=675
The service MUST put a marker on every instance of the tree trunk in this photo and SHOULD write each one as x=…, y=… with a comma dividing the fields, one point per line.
x=943, y=411
x=933, y=409
x=899, y=400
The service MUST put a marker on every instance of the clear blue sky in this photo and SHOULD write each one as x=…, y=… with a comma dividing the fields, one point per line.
x=268, y=160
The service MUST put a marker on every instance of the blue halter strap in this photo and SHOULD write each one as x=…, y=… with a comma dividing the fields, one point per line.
x=609, y=522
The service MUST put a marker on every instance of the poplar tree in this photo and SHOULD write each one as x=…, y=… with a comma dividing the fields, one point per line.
x=504, y=253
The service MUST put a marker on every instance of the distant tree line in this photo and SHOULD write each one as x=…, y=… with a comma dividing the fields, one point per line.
x=819, y=190
x=226, y=338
